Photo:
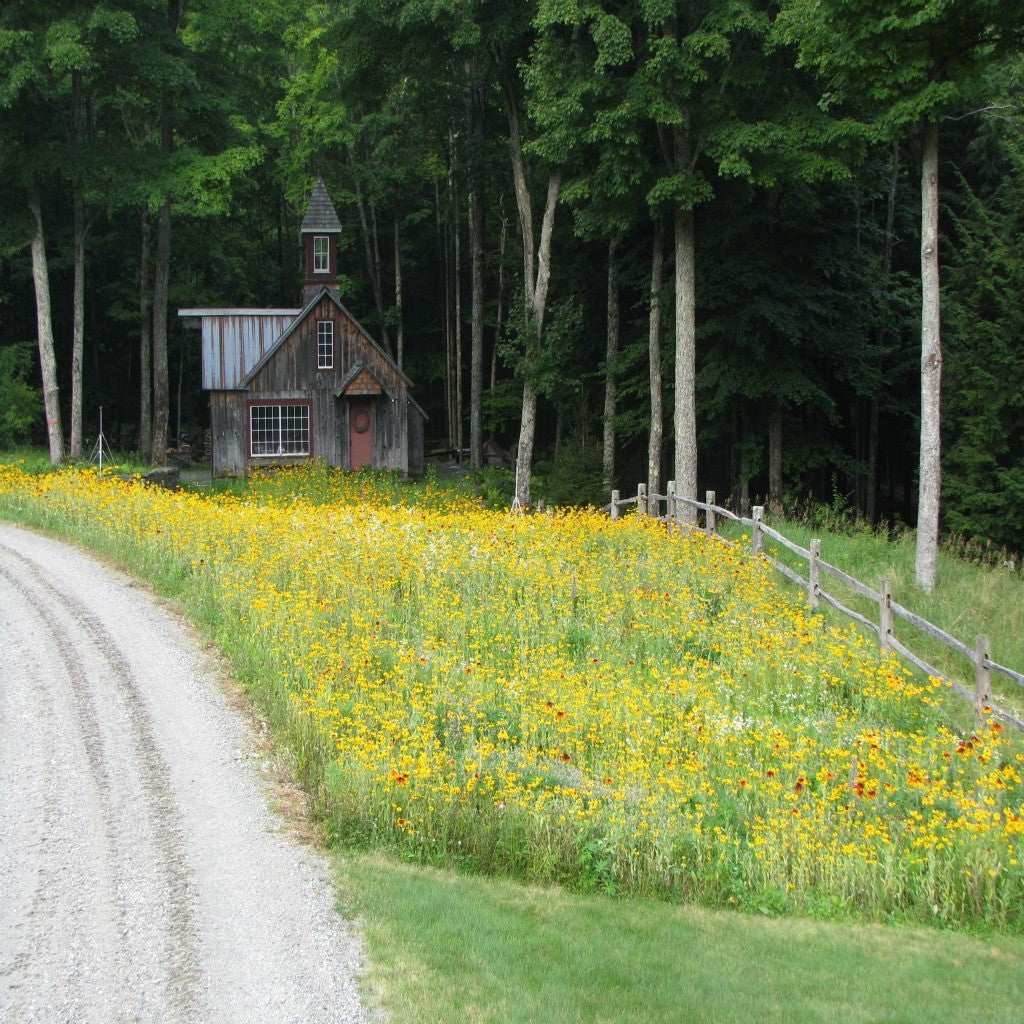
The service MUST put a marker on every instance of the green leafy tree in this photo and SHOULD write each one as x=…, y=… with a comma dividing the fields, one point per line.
x=983, y=487
x=20, y=403
x=905, y=65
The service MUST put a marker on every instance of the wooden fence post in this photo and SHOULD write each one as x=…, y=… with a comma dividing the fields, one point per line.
x=670, y=504
x=757, y=541
x=885, y=615
x=709, y=516
x=981, y=674
x=615, y=505
x=814, y=575
x=641, y=499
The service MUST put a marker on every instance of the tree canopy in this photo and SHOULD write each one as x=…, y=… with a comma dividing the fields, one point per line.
x=557, y=215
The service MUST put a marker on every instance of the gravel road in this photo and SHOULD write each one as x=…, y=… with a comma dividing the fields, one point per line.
x=142, y=877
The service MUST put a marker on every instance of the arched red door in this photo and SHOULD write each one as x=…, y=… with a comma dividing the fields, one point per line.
x=360, y=432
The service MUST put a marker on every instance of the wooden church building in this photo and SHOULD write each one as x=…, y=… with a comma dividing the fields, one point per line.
x=289, y=385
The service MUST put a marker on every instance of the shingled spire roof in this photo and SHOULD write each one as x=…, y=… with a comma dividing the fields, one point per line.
x=320, y=214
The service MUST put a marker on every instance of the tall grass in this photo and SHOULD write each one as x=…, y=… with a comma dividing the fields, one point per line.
x=563, y=698
x=973, y=596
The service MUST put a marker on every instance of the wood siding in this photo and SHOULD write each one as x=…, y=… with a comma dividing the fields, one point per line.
x=291, y=374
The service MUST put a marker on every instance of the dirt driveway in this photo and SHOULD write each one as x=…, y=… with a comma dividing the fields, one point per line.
x=142, y=877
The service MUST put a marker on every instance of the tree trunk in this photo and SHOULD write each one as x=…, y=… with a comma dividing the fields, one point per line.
x=78, y=286
x=654, y=361
x=449, y=332
x=476, y=359
x=458, y=331
x=741, y=487
x=610, y=357
x=161, y=281
x=145, y=343
x=379, y=277
x=871, y=500
x=78, y=325
x=775, y=461
x=536, y=278
x=686, y=364
x=538, y=294
x=931, y=366
x=744, y=469
x=475, y=121
x=181, y=381
x=443, y=261
x=400, y=325
x=890, y=233
x=371, y=254
x=500, y=315
x=161, y=383
x=44, y=322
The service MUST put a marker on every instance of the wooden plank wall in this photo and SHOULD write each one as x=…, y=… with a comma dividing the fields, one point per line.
x=292, y=374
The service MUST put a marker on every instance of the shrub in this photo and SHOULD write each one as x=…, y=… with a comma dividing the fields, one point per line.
x=21, y=405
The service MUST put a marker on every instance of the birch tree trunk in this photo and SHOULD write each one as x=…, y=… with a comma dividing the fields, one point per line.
x=44, y=325
x=77, y=325
x=458, y=331
x=444, y=261
x=378, y=273
x=929, y=478
x=78, y=286
x=161, y=382
x=145, y=342
x=400, y=324
x=610, y=357
x=775, y=460
x=536, y=278
x=654, y=361
x=476, y=359
x=371, y=254
x=686, y=364
x=500, y=315
x=538, y=296
x=871, y=499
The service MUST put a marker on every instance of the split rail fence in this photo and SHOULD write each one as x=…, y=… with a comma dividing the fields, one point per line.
x=677, y=510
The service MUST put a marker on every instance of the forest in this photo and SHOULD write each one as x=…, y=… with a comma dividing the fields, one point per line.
x=767, y=248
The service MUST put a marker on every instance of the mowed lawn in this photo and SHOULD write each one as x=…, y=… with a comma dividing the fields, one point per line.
x=447, y=947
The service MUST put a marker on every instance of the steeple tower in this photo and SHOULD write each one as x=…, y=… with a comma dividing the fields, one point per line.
x=320, y=232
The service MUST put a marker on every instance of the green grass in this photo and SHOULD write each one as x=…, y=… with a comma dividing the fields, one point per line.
x=33, y=459
x=444, y=947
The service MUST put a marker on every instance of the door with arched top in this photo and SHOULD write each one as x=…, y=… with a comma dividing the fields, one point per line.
x=360, y=432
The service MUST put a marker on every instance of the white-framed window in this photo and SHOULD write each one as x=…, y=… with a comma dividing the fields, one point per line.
x=278, y=430
x=321, y=254
x=325, y=344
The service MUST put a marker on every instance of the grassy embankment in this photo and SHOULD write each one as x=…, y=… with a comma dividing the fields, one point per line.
x=971, y=598
x=565, y=700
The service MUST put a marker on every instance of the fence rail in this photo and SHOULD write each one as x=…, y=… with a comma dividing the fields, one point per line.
x=979, y=656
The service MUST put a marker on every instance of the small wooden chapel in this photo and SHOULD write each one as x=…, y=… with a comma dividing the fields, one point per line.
x=290, y=385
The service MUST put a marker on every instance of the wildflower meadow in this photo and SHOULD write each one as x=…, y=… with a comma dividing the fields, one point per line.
x=564, y=698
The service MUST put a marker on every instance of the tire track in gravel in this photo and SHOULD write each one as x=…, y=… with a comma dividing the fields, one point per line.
x=41, y=884
x=69, y=629
x=142, y=878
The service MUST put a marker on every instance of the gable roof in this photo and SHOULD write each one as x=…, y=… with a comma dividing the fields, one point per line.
x=325, y=292
x=320, y=214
